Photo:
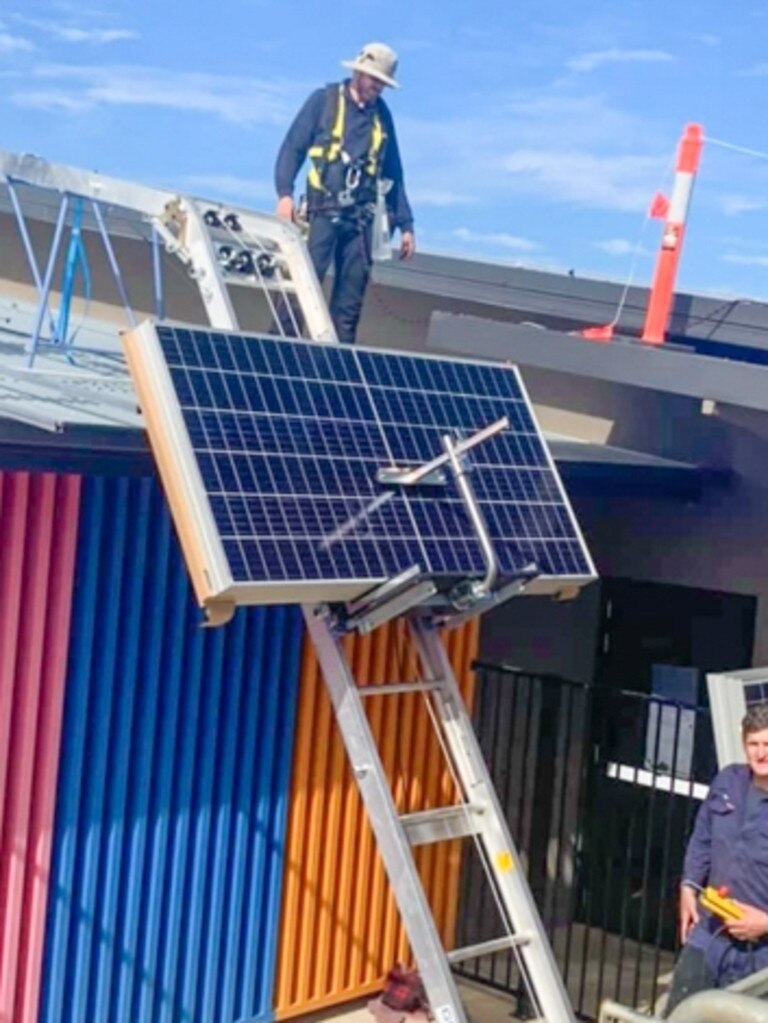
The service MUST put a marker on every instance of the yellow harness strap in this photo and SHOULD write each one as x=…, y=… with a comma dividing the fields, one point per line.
x=328, y=152
x=323, y=153
x=378, y=138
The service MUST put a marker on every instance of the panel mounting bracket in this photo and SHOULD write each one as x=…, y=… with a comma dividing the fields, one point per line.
x=391, y=599
x=431, y=474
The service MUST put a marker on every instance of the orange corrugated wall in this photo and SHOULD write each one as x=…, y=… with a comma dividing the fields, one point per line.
x=340, y=930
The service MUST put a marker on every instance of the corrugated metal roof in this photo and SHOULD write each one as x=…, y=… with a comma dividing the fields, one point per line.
x=85, y=383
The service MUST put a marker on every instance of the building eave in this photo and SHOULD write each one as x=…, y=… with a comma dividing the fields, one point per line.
x=663, y=368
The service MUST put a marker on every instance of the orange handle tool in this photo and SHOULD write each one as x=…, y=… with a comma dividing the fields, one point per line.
x=716, y=901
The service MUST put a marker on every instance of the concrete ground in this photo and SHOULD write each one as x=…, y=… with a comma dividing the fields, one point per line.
x=482, y=1005
x=587, y=986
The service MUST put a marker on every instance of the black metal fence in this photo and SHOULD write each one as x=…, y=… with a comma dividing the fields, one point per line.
x=600, y=788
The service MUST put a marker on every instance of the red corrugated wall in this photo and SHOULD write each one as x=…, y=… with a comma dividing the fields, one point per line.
x=38, y=535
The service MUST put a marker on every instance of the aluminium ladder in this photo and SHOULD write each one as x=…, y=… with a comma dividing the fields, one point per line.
x=480, y=815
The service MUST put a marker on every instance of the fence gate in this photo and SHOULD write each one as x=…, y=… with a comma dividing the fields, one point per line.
x=600, y=788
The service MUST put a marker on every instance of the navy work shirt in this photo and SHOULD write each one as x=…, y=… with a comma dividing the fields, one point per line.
x=729, y=847
x=358, y=125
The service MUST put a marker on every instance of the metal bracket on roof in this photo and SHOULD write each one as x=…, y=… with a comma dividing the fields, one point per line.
x=271, y=256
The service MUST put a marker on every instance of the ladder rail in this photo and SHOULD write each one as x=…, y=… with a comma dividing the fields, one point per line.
x=502, y=855
x=479, y=815
x=391, y=839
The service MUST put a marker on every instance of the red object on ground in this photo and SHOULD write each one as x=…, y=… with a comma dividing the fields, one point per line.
x=598, y=333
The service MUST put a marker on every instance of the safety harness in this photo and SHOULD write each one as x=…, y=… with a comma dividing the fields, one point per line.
x=360, y=178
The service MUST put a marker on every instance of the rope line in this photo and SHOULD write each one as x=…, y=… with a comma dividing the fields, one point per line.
x=636, y=253
x=759, y=153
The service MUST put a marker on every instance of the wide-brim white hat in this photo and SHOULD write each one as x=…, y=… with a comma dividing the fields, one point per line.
x=377, y=60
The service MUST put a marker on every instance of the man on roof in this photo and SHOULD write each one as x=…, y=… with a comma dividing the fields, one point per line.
x=347, y=132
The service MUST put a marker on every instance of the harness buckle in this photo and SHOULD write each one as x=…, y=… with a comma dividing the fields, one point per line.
x=352, y=179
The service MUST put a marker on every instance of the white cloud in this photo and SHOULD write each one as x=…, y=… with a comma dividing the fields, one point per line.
x=756, y=71
x=213, y=185
x=51, y=100
x=441, y=197
x=604, y=182
x=242, y=101
x=620, y=247
x=732, y=205
x=744, y=260
x=551, y=146
x=67, y=32
x=706, y=39
x=14, y=44
x=498, y=238
x=98, y=36
x=595, y=59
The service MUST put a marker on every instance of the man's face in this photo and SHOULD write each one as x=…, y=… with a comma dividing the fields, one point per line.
x=756, y=746
x=368, y=88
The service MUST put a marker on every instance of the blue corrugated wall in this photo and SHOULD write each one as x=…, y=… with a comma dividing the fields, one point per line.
x=172, y=795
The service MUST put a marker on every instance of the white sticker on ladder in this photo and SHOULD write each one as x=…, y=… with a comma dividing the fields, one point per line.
x=444, y=1014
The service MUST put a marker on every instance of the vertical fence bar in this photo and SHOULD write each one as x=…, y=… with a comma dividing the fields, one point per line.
x=628, y=820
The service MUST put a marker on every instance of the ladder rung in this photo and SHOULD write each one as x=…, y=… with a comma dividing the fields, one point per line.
x=488, y=948
x=392, y=688
x=441, y=825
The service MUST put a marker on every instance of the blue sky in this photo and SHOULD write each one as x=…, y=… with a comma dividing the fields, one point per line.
x=532, y=131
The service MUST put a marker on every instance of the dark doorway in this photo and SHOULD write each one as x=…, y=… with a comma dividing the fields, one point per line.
x=652, y=742
x=645, y=625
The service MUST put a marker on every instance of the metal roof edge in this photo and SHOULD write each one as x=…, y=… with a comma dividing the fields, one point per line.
x=570, y=301
x=621, y=361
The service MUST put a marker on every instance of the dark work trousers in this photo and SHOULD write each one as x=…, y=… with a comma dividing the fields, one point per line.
x=691, y=976
x=345, y=242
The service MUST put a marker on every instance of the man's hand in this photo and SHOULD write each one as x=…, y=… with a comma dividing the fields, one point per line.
x=752, y=926
x=407, y=245
x=688, y=912
x=285, y=208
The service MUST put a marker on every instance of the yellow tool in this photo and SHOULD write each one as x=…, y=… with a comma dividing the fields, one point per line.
x=716, y=901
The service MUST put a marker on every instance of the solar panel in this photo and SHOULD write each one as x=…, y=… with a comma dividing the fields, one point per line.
x=271, y=450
